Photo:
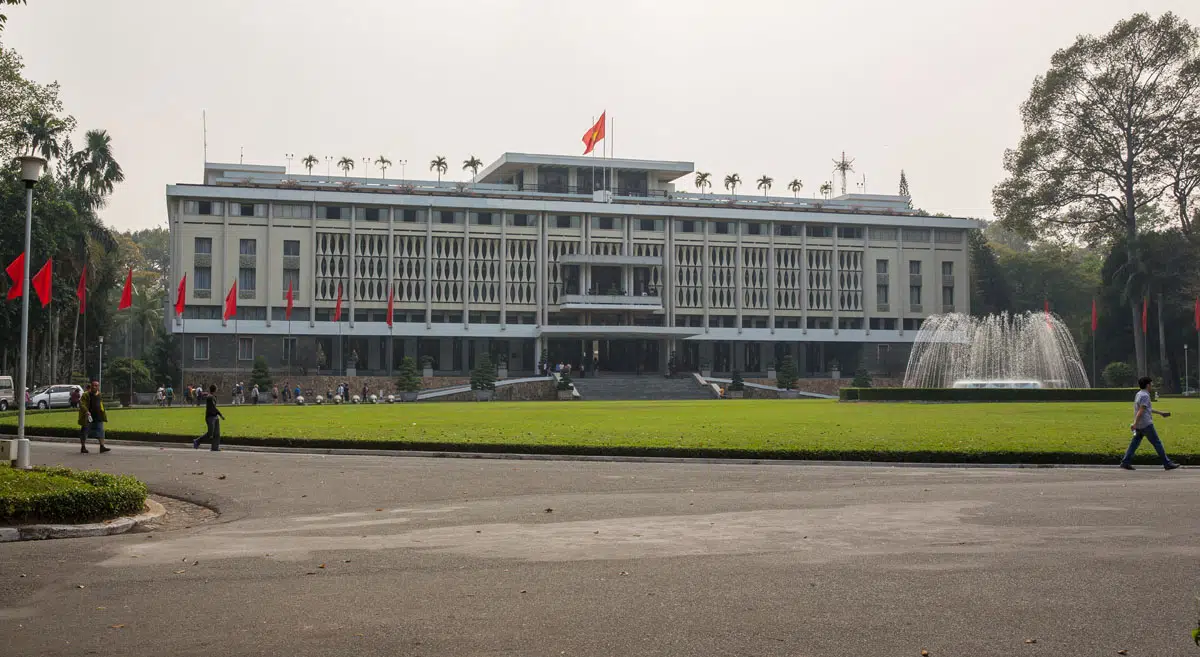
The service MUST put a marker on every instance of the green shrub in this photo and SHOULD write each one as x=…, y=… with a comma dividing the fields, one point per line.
x=862, y=379
x=483, y=377
x=736, y=382
x=409, y=379
x=986, y=394
x=116, y=374
x=1118, y=374
x=56, y=494
x=565, y=382
x=261, y=375
x=785, y=376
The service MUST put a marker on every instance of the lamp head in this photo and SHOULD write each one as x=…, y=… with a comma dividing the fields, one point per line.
x=32, y=167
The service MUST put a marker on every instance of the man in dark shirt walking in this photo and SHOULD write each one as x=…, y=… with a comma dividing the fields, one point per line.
x=212, y=418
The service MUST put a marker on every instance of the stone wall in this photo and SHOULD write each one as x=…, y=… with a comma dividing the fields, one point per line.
x=527, y=391
x=831, y=386
x=319, y=385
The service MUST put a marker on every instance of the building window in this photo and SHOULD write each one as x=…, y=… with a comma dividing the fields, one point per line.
x=605, y=223
x=787, y=230
x=948, y=295
x=881, y=266
x=291, y=248
x=720, y=227
x=883, y=323
x=248, y=209
x=332, y=212
x=521, y=221
x=410, y=216
x=247, y=279
x=445, y=216
x=370, y=214
x=754, y=229
x=815, y=230
x=915, y=234
x=850, y=322
x=202, y=207
x=291, y=281
x=947, y=269
x=914, y=267
x=483, y=218
x=850, y=232
x=289, y=350
x=200, y=348
x=245, y=348
x=203, y=282
x=248, y=247
x=649, y=224
x=883, y=234
x=204, y=245
x=914, y=295
x=687, y=226
x=293, y=211
x=913, y=323
x=820, y=322
x=881, y=293
x=564, y=221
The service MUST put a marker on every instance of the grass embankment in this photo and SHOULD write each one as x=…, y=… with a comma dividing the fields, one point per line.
x=1061, y=432
x=65, y=495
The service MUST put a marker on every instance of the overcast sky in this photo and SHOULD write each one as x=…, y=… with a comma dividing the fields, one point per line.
x=777, y=88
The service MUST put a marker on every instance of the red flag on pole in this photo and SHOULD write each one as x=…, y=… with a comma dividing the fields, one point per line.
x=337, y=309
x=127, y=293
x=594, y=134
x=1145, y=311
x=16, y=271
x=81, y=290
x=291, y=301
x=391, y=305
x=230, y=303
x=1094, y=317
x=42, y=282
x=181, y=296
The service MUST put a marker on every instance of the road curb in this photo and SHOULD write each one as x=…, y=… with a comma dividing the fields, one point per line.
x=154, y=511
x=594, y=458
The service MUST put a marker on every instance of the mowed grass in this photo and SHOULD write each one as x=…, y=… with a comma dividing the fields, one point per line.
x=1084, y=432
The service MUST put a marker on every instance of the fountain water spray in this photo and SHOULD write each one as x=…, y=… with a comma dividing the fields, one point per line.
x=995, y=351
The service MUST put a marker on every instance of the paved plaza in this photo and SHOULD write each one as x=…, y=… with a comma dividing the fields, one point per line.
x=327, y=555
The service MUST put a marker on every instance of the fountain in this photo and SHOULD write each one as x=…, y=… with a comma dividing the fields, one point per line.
x=1029, y=350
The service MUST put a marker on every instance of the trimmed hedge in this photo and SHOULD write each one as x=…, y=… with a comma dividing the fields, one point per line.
x=988, y=394
x=57, y=494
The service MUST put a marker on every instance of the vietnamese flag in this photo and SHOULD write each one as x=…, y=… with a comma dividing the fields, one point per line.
x=291, y=301
x=81, y=290
x=181, y=296
x=594, y=134
x=230, y=303
x=337, y=309
x=42, y=282
x=1094, y=324
x=391, y=306
x=127, y=293
x=1145, y=309
x=16, y=271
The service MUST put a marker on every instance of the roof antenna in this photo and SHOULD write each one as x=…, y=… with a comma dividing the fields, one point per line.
x=241, y=152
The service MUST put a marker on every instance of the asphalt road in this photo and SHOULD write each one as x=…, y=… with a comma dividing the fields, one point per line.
x=339, y=555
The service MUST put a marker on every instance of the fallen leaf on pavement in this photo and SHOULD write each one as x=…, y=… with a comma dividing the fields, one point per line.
x=180, y=572
x=624, y=573
x=1122, y=652
x=924, y=653
x=79, y=586
x=379, y=509
x=321, y=566
x=221, y=477
x=117, y=626
x=549, y=510
x=1030, y=640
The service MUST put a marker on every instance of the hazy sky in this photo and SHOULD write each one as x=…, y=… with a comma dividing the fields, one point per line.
x=780, y=88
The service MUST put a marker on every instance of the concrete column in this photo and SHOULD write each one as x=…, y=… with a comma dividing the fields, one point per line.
x=389, y=352
x=466, y=353
x=391, y=268
x=804, y=279
x=836, y=283
x=312, y=263
x=428, y=267
x=540, y=271
x=772, y=284
x=353, y=262
x=901, y=277
x=270, y=262
x=738, y=283
x=466, y=267
x=667, y=289
x=446, y=355
x=220, y=292
x=705, y=274
x=503, y=271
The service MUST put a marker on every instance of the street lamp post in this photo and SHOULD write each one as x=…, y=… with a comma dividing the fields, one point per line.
x=100, y=373
x=1185, y=368
x=31, y=170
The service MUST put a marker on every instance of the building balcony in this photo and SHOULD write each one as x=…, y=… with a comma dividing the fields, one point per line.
x=611, y=302
x=591, y=259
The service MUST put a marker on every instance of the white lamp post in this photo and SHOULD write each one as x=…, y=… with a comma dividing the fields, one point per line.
x=100, y=373
x=31, y=170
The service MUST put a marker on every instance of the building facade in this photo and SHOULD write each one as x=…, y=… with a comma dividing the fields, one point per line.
x=594, y=262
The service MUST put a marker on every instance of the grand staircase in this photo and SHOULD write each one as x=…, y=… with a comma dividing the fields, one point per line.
x=619, y=387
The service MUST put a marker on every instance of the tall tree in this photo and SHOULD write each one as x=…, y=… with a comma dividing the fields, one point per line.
x=764, y=183
x=3, y=18
x=990, y=293
x=703, y=180
x=1180, y=161
x=795, y=186
x=904, y=185
x=731, y=183
x=383, y=163
x=438, y=164
x=346, y=164
x=473, y=163
x=826, y=189
x=1093, y=126
x=21, y=98
x=42, y=132
x=309, y=162
x=94, y=168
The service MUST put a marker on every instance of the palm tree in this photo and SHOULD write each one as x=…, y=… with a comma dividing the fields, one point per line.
x=309, y=162
x=438, y=164
x=795, y=186
x=764, y=184
x=346, y=164
x=703, y=180
x=383, y=163
x=41, y=132
x=826, y=189
x=731, y=183
x=94, y=169
x=473, y=163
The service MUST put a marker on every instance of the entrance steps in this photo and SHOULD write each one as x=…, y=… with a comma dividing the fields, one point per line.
x=628, y=387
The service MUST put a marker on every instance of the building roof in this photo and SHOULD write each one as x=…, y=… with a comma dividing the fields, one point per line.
x=664, y=170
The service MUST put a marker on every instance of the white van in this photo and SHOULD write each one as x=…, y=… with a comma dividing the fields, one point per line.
x=8, y=395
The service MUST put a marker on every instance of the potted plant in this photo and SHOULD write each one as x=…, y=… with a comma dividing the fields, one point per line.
x=835, y=369
x=772, y=370
x=786, y=379
x=705, y=368
x=566, y=388
x=483, y=379
x=502, y=366
x=409, y=381
x=737, y=386
x=426, y=366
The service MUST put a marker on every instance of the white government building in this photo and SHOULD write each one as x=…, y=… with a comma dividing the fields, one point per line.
x=599, y=262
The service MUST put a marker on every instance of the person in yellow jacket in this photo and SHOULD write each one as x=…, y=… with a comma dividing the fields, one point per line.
x=91, y=417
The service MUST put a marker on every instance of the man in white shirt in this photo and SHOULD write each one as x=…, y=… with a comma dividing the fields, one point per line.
x=1143, y=426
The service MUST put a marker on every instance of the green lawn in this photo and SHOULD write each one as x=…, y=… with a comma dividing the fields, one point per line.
x=1031, y=432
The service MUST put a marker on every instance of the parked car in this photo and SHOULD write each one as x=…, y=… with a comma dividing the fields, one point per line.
x=54, y=397
x=8, y=394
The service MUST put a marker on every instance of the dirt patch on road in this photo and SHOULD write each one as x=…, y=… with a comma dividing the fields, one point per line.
x=180, y=515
